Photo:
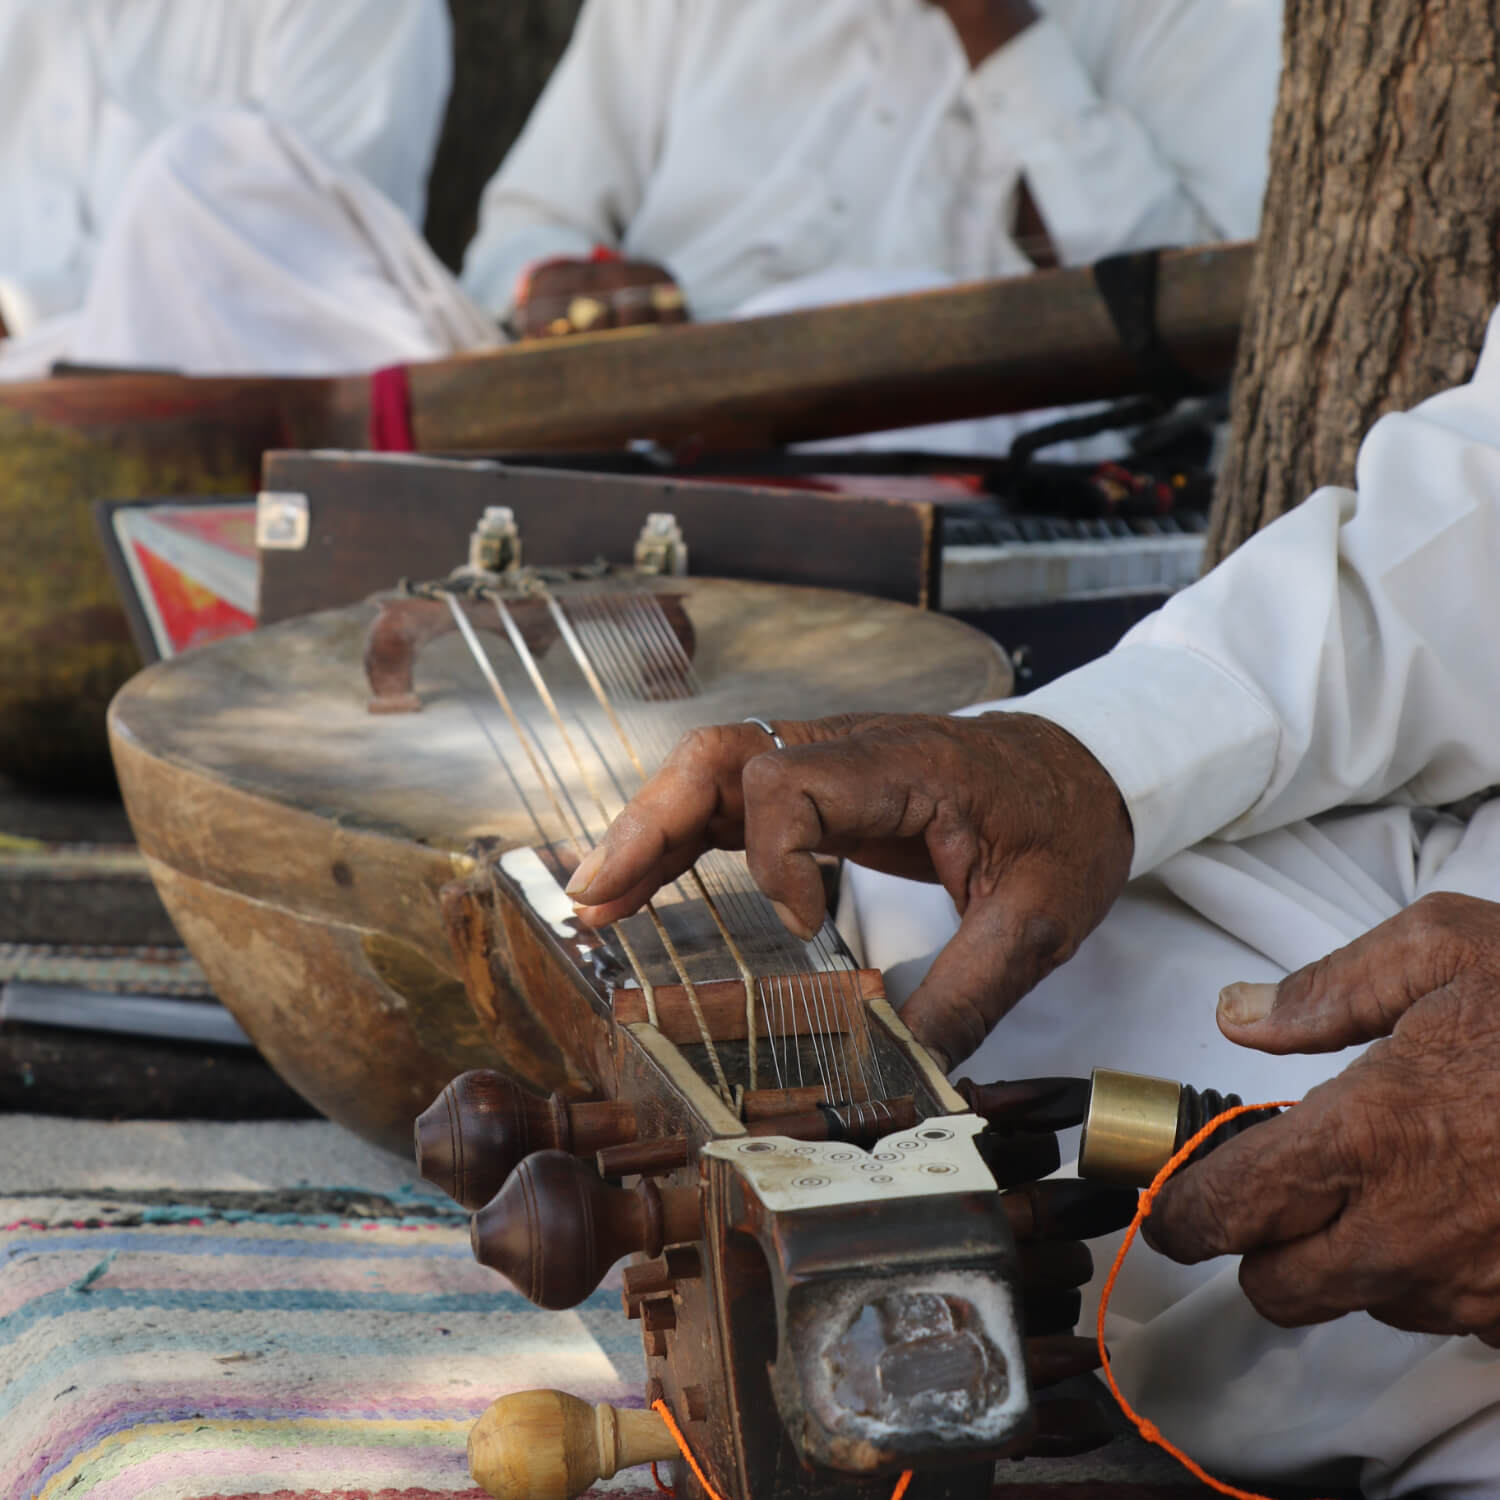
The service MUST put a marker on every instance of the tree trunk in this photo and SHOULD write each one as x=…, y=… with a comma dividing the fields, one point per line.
x=1378, y=259
x=503, y=52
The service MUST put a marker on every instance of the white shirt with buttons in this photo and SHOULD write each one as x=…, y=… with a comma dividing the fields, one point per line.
x=746, y=145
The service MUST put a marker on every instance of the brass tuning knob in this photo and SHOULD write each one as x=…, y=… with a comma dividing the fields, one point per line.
x=1135, y=1125
x=556, y=1227
x=547, y=1445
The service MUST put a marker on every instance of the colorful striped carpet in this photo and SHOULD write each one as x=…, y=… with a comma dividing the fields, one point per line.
x=193, y=1352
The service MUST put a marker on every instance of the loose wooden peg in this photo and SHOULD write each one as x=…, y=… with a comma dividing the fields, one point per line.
x=644, y=1158
x=1029, y=1103
x=556, y=1227
x=547, y=1445
x=470, y=1139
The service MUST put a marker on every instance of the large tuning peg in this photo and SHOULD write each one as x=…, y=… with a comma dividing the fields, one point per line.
x=556, y=1227
x=546, y=1445
x=470, y=1138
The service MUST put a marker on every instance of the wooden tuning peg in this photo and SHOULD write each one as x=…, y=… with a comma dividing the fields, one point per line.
x=1029, y=1103
x=546, y=1445
x=470, y=1138
x=556, y=1227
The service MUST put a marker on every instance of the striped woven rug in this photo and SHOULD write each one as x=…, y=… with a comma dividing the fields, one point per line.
x=181, y=1352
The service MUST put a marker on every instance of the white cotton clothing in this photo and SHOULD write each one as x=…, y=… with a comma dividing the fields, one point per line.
x=277, y=262
x=1348, y=1402
x=1344, y=655
x=1287, y=734
x=89, y=87
x=746, y=145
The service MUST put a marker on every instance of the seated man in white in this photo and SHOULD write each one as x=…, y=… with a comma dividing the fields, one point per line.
x=737, y=148
x=1295, y=763
x=730, y=153
x=756, y=158
x=221, y=185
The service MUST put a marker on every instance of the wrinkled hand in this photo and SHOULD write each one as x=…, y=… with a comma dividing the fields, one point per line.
x=1381, y=1190
x=584, y=296
x=1021, y=825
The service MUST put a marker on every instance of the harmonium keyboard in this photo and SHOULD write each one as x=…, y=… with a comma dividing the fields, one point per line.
x=1055, y=590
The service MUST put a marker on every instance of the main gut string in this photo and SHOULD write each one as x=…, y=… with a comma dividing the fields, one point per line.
x=476, y=650
x=695, y=1004
x=597, y=688
x=626, y=634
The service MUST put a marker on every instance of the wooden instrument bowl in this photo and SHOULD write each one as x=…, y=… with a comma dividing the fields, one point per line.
x=300, y=843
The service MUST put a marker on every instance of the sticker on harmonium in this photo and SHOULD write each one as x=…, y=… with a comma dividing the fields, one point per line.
x=937, y=1157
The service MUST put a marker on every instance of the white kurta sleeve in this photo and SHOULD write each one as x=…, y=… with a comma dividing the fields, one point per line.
x=1162, y=141
x=576, y=176
x=365, y=83
x=1348, y=653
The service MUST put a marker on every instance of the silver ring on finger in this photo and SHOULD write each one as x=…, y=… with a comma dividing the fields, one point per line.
x=776, y=739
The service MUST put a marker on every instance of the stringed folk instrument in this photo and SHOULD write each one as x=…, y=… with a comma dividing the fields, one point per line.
x=844, y=1267
x=302, y=845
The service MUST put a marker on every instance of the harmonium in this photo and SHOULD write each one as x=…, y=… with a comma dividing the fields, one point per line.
x=850, y=1275
x=1145, y=322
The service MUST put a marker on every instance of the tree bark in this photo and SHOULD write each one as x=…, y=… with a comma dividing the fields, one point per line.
x=1378, y=259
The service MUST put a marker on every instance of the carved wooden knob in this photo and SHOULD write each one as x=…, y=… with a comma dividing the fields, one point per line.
x=470, y=1139
x=546, y=1445
x=556, y=1227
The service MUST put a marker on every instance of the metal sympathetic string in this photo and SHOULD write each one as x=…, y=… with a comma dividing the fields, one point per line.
x=831, y=959
x=638, y=620
x=623, y=650
x=821, y=1010
x=618, y=662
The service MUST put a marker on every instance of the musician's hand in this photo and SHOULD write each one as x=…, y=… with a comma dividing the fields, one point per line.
x=585, y=296
x=1380, y=1191
x=1021, y=825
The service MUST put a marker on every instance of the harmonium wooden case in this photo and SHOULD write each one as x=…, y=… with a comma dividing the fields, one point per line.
x=1053, y=589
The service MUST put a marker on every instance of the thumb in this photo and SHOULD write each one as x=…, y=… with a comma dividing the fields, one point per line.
x=1000, y=951
x=1354, y=995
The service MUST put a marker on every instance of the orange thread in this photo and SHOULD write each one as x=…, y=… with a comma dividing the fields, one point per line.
x=1147, y=1428
x=664, y=1411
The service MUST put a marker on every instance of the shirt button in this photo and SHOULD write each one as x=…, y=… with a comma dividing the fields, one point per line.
x=885, y=115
